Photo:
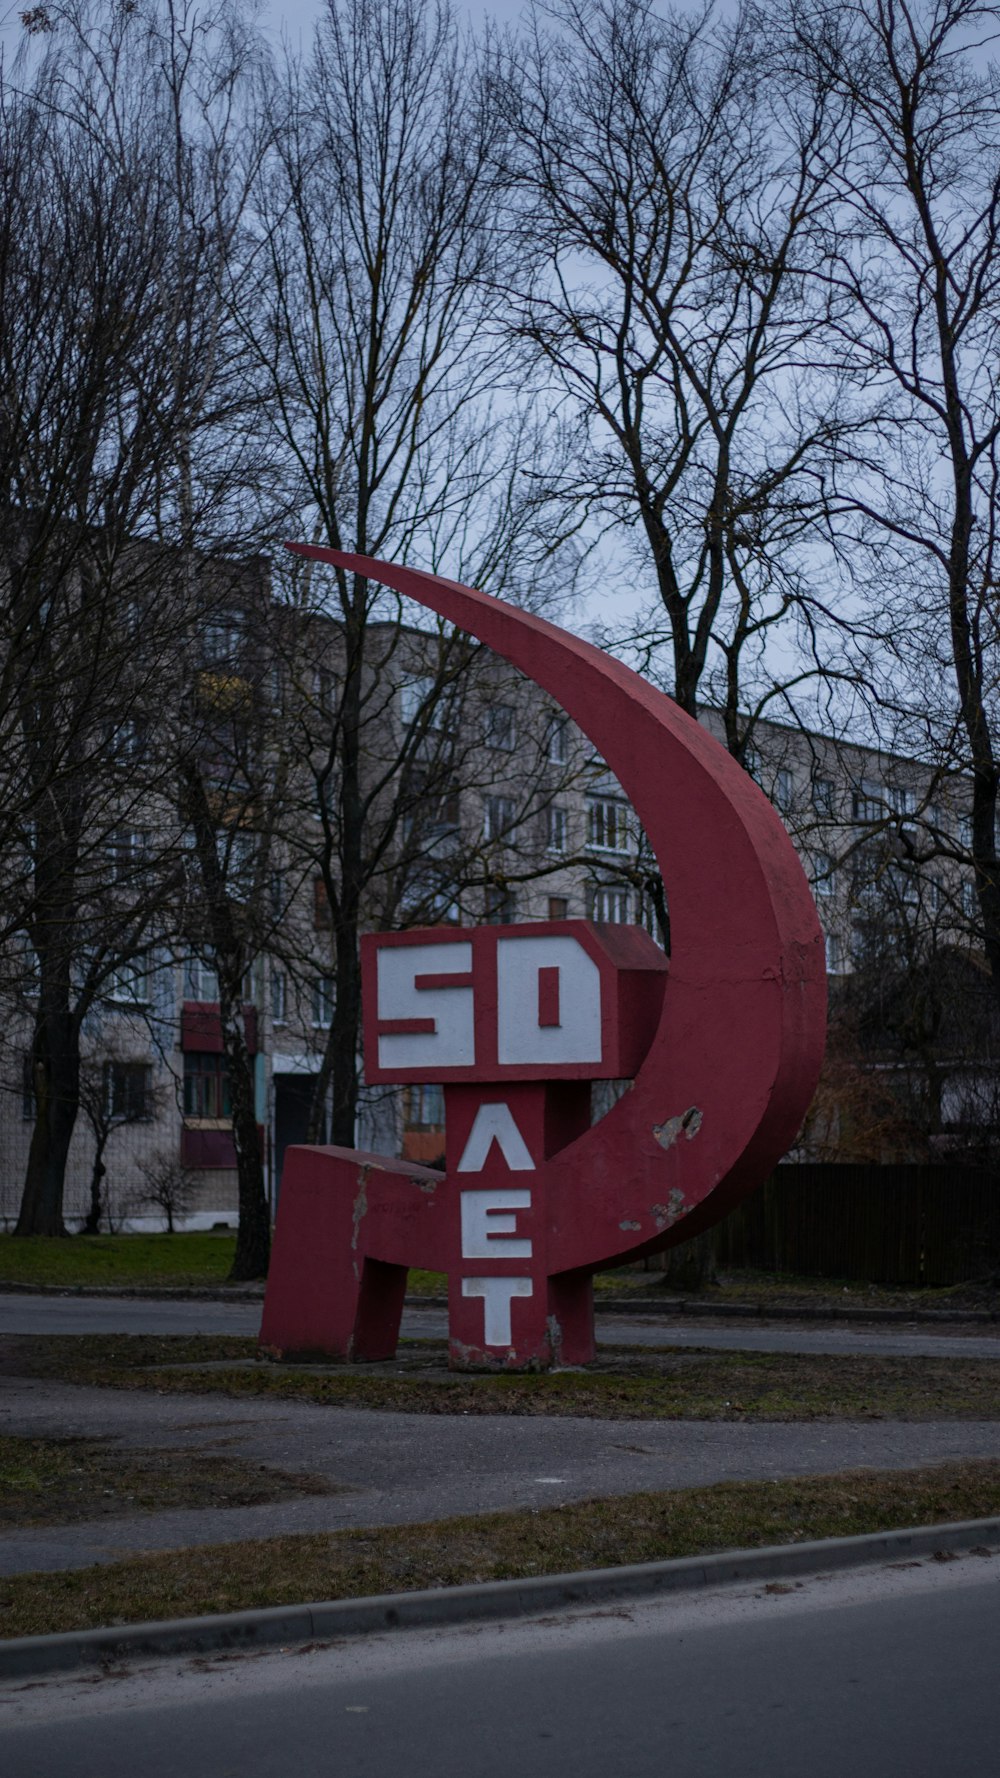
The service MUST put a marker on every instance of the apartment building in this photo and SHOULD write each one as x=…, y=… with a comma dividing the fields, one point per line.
x=487, y=804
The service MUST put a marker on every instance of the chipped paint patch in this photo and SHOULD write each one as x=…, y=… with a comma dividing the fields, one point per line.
x=665, y=1215
x=627, y=1226
x=687, y=1124
x=359, y=1209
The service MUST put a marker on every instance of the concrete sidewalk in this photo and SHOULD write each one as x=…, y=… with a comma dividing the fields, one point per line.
x=51, y=1314
x=397, y=1468
x=656, y=1303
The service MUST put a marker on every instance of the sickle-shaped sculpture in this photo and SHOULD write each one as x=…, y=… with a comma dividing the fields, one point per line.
x=732, y=1067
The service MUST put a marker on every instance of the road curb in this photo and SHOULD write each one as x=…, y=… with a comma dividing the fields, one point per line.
x=654, y=1308
x=492, y=1601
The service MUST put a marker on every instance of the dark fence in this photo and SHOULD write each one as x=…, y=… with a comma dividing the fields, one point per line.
x=881, y=1225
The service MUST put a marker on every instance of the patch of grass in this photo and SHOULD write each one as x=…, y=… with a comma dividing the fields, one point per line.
x=426, y=1283
x=162, y=1260
x=54, y=1481
x=91, y=1358
x=674, y=1384
x=789, y=1290
x=495, y=1546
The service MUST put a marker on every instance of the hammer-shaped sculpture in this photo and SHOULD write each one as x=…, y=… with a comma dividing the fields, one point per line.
x=723, y=1048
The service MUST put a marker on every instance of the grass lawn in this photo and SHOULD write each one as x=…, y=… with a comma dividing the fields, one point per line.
x=52, y=1481
x=202, y=1258
x=672, y=1384
x=205, y=1258
x=495, y=1546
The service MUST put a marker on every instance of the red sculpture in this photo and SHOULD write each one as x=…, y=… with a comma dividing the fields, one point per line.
x=723, y=1046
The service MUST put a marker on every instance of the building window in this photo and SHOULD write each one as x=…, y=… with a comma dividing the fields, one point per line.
x=501, y=906
x=900, y=800
x=867, y=801
x=431, y=804
x=31, y=969
x=200, y=979
x=834, y=954
x=557, y=741
x=221, y=642
x=129, y=739
x=127, y=1091
x=322, y=1000
x=128, y=985
x=28, y=1106
x=500, y=727
x=824, y=796
x=277, y=892
x=556, y=824
x=206, y=1085
x=823, y=874
x=322, y=916
x=609, y=903
x=423, y=1108
x=236, y=852
x=906, y=884
x=965, y=832
x=326, y=690
x=646, y=916
x=607, y=824
x=498, y=818
x=558, y=907
x=128, y=850
x=423, y=699
x=279, y=996
x=783, y=790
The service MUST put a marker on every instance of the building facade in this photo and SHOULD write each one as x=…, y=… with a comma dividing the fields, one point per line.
x=486, y=804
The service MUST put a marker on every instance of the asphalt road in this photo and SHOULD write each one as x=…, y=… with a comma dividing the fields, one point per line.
x=878, y=1675
x=98, y=1315
x=392, y=1468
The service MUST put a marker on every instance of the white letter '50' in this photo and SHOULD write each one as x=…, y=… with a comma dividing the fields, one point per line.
x=547, y=1006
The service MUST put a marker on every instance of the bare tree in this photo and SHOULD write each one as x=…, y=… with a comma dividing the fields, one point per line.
x=911, y=1066
x=667, y=202
x=231, y=756
x=169, y=1186
x=377, y=215
x=916, y=259
x=103, y=372
x=116, y=1089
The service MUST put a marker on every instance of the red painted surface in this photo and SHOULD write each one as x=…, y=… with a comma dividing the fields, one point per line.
x=632, y=971
x=201, y=1027
x=723, y=1051
x=548, y=999
x=353, y=1225
x=211, y=1149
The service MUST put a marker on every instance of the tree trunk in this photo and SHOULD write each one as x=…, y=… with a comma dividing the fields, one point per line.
x=344, y=1036
x=691, y=1266
x=56, y=1073
x=97, y=1176
x=253, y=1239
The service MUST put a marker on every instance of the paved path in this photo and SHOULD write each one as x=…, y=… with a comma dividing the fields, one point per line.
x=396, y=1468
x=98, y=1315
x=888, y=1672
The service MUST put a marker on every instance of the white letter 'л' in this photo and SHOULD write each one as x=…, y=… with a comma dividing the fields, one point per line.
x=495, y=1123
